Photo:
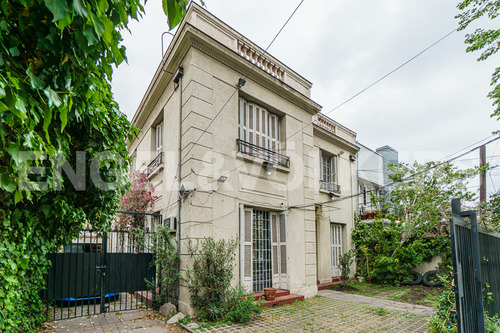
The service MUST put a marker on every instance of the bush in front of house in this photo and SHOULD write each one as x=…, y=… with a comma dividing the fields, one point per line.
x=209, y=283
x=385, y=257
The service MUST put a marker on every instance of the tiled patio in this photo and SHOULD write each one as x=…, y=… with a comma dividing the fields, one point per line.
x=322, y=314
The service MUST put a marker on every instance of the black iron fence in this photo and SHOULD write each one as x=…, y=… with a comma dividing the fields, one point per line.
x=476, y=268
x=105, y=271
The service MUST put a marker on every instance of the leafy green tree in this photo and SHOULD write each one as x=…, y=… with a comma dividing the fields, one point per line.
x=422, y=195
x=489, y=216
x=57, y=115
x=421, y=198
x=485, y=40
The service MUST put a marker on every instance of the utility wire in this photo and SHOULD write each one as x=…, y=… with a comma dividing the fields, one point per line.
x=311, y=123
x=246, y=76
x=393, y=71
x=359, y=93
x=400, y=181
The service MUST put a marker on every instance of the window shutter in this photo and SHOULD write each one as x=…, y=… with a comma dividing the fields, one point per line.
x=283, y=252
x=246, y=247
x=275, y=249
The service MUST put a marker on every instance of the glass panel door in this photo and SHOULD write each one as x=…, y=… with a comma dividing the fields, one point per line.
x=261, y=256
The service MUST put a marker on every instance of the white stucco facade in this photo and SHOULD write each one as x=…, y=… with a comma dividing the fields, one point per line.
x=261, y=137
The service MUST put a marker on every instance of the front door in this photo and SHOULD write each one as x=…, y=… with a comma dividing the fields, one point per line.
x=263, y=249
x=261, y=256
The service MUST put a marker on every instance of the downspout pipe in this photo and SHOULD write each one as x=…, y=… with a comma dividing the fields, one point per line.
x=179, y=73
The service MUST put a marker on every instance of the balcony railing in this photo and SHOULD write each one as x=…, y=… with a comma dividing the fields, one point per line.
x=330, y=187
x=263, y=153
x=155, y=163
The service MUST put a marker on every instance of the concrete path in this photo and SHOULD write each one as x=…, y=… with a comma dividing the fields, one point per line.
x=421, y=310
x=133, y=321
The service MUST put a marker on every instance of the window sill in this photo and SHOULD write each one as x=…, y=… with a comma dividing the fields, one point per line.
x=256, y=160
x=329, y=193
x=156, y=171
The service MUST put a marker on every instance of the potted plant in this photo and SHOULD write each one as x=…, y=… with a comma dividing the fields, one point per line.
x=270, y=294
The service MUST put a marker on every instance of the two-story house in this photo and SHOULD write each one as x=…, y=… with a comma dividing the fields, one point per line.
x=228, y=140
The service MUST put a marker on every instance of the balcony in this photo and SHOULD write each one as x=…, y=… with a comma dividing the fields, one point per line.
x=329, y=187
x=155, y=164
x=267, y=155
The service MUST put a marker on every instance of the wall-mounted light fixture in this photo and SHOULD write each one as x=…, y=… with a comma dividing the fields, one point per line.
x=269, y=166
x=222, y=179
x=241, y=82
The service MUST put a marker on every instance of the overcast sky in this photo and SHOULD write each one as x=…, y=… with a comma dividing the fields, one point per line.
x=429, y=109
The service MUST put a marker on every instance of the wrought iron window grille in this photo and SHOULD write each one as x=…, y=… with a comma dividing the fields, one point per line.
x=158, y=160
x=267, y=155
x=330, y=187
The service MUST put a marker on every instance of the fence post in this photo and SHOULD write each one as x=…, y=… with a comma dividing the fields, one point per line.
x=476, y=257
x=104, y=250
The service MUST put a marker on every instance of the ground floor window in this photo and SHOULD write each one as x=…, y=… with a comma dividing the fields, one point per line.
x=336, y=247
x=263, y=249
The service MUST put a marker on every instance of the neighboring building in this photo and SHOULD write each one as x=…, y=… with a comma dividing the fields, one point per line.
x=254, y=174
x=373, y=175
x=336, y=156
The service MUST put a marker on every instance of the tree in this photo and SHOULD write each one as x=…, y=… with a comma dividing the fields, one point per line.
x=139, y=198
x=487, y=40
x=422, y=195
x=57, y=115
x=421, y=198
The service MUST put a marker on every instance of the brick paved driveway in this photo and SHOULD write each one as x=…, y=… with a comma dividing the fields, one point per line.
x=322, y=314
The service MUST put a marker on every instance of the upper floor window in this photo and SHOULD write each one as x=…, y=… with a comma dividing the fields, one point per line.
x=159, y=138
x=328, y=169
x=158, y=148
x=258, y=126
x=259, y=134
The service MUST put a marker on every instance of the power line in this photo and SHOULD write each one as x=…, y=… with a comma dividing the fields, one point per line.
x=394, y=70
x=246, y=76
x=400, y=181
x=391, y=72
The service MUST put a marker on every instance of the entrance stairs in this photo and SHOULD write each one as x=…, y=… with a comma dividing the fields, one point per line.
x=282, y=297
x=323, y=286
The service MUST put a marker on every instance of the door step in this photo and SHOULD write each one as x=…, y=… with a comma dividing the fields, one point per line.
x=326, y=285
x=282, y=297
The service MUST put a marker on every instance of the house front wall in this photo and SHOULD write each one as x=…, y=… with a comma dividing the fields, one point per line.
x=213, y=209
x=334, y=212
x=209, y=101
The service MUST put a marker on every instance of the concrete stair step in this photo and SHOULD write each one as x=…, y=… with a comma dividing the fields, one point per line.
x=326, y=285
x=279, y=293
x=283, y=300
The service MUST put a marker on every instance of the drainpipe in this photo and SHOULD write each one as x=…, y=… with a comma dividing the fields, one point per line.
x=178, y=82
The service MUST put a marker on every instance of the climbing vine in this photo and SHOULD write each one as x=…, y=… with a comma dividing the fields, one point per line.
x=63, y=146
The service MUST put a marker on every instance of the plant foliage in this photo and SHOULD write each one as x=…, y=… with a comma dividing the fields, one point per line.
x=421, y=197
x=139, y=198
x=485, y=40
x=345, y=262
x=160, y=242
x=56, y=113
x=209, y=279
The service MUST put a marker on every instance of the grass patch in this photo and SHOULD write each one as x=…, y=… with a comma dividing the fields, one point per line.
x=398, y=294
x=362, y=288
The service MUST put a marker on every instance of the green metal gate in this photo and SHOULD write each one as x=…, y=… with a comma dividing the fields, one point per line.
x=476, y=269
x=100, y=272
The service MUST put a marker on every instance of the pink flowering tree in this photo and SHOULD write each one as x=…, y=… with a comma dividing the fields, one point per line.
x=139, y=198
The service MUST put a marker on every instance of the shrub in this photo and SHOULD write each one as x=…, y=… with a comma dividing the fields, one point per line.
x=209, y=279
x=242, y=307
x=390, y=258
x=166, y=260
x=345, y=261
